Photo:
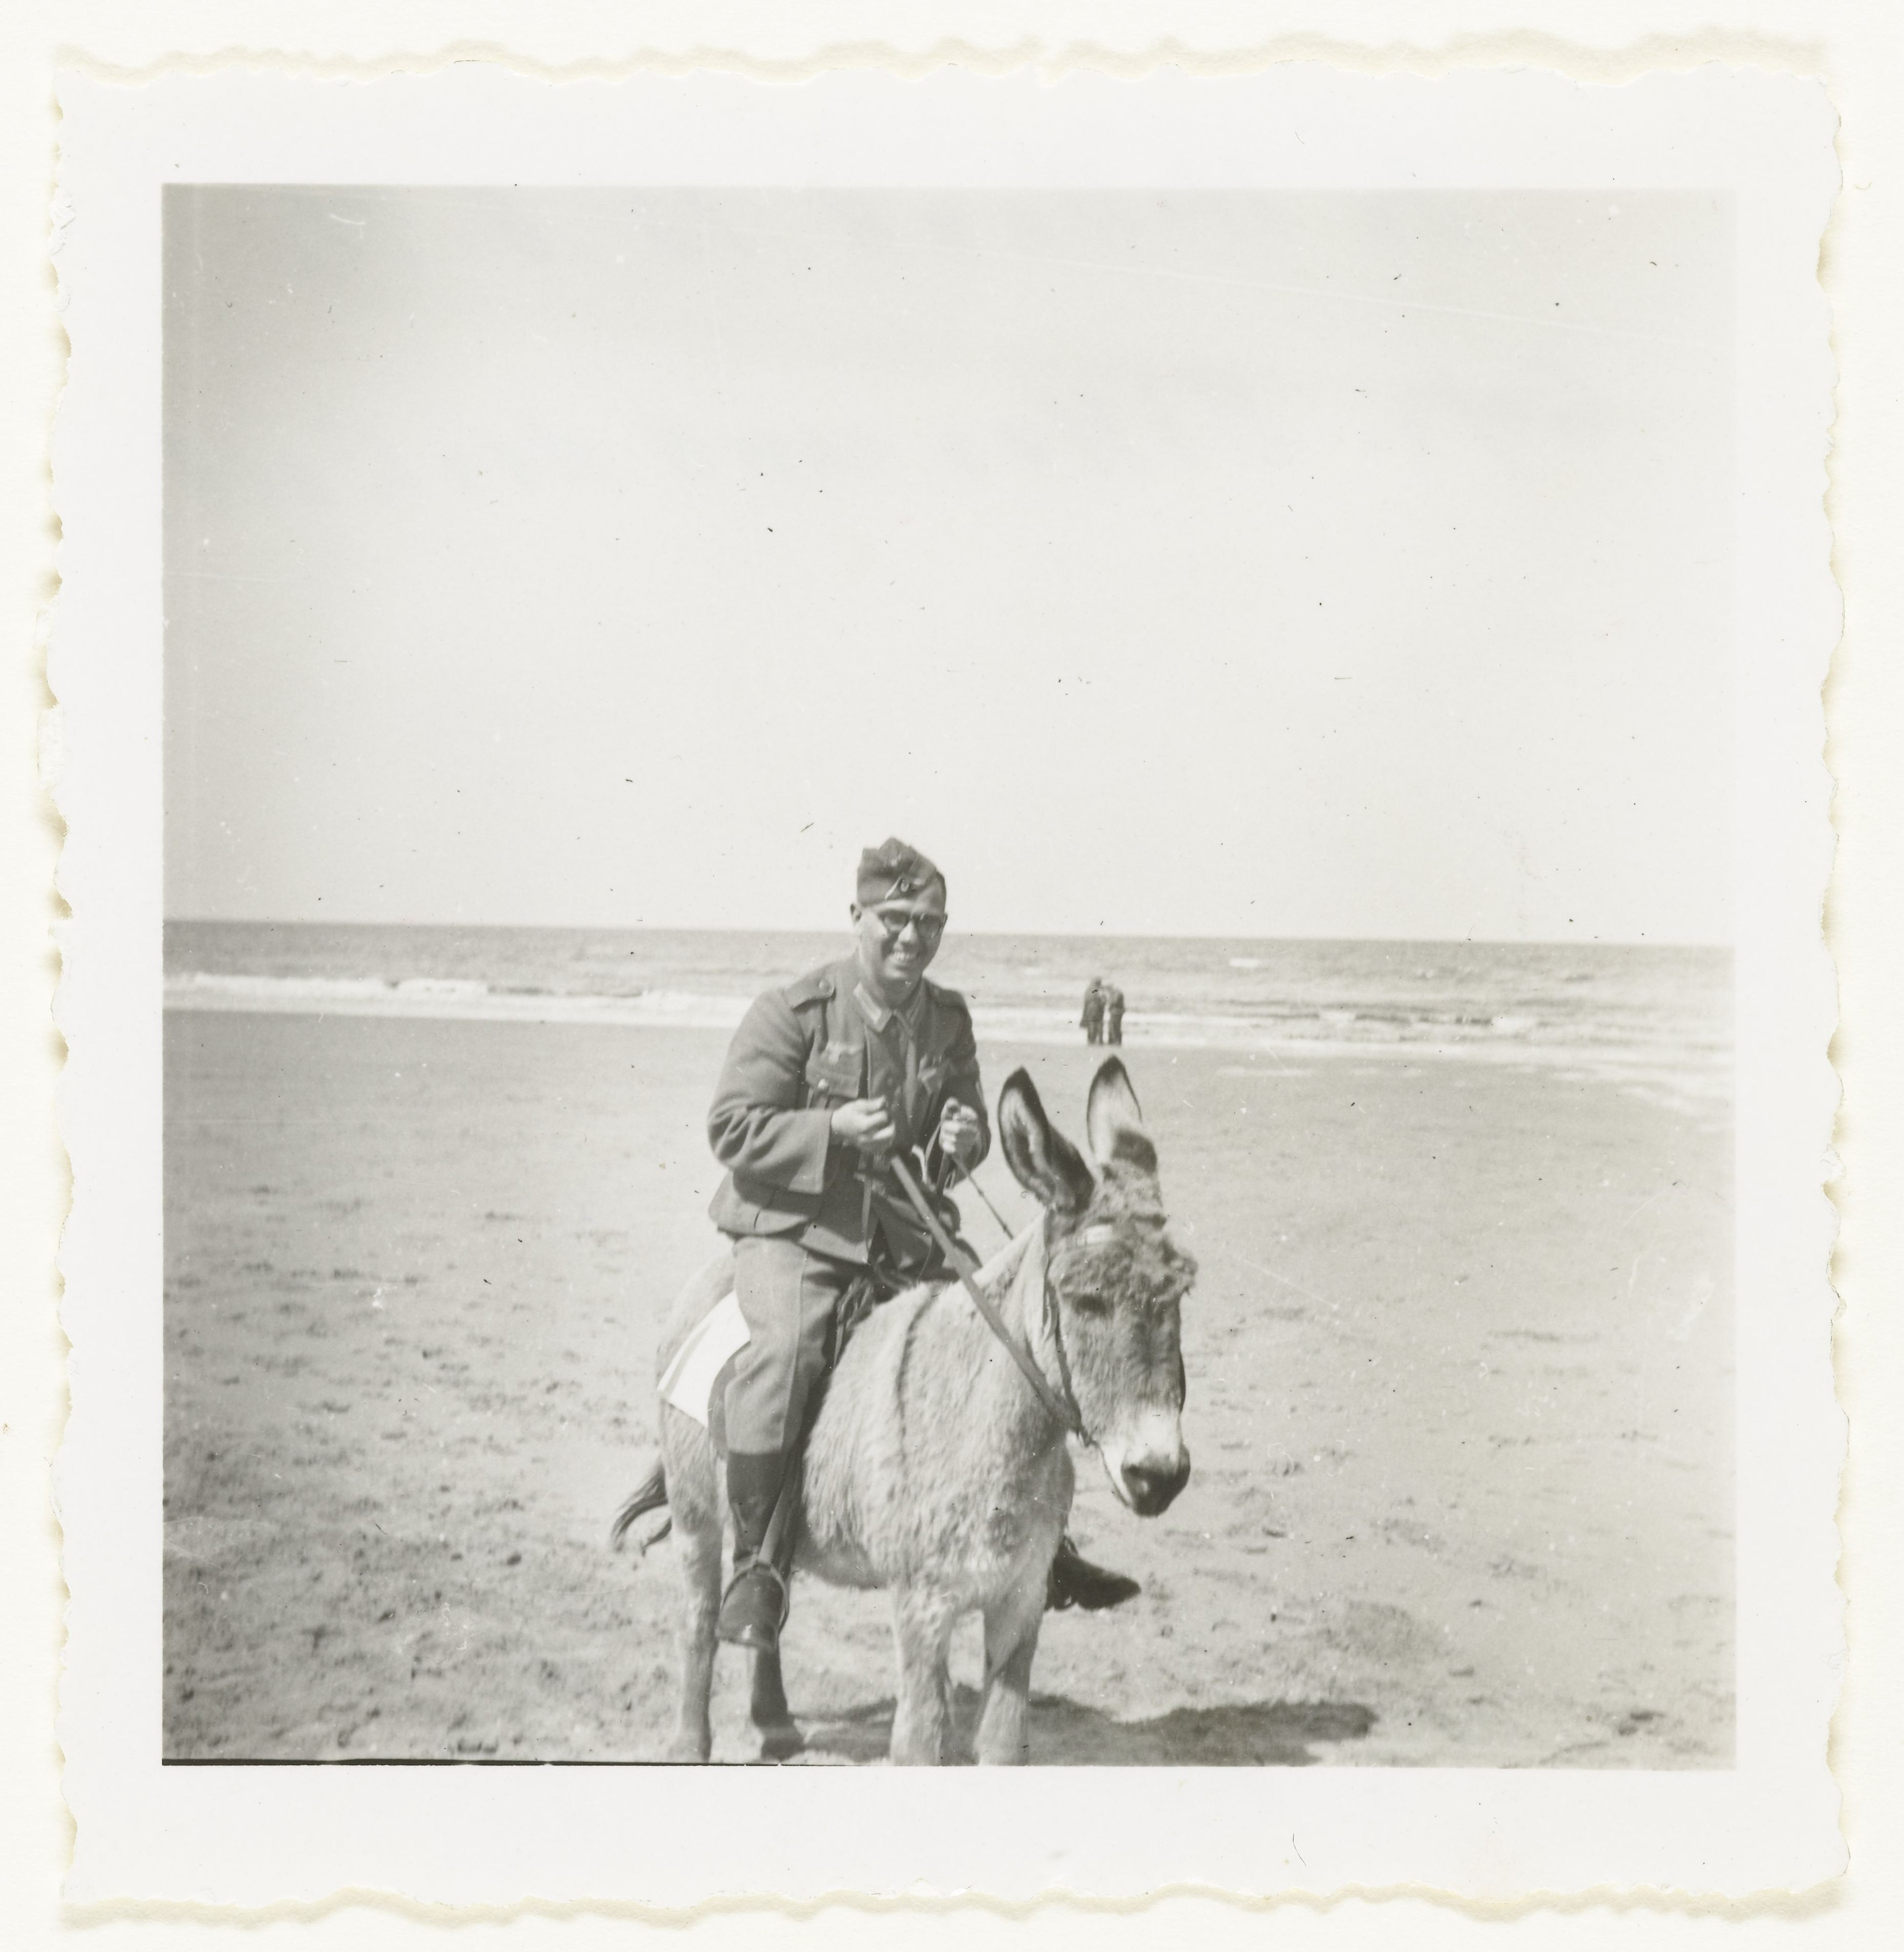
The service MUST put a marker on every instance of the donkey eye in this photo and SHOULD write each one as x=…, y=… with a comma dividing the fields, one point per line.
x=1087, y=1301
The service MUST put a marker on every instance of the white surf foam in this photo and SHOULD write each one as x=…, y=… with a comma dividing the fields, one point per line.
x=1327, y=1033
x=429, y=996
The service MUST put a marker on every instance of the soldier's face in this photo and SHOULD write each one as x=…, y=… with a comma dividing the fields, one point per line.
x=899, y=939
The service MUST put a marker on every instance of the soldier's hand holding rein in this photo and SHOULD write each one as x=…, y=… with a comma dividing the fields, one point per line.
x=866, y=1124
x=958, y=1132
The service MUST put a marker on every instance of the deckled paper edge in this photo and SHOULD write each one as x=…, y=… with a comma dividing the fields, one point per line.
x=1522, y=49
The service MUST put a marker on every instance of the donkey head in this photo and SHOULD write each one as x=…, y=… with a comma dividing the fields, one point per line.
x=1116, y=1278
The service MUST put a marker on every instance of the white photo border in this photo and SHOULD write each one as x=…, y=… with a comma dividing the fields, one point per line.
x=255, y=1835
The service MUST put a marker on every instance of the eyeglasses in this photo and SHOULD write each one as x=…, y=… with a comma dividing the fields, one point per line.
x=895, y=922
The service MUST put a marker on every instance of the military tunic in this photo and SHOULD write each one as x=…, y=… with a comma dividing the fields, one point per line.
x=801, y=1053
x=802, y=1212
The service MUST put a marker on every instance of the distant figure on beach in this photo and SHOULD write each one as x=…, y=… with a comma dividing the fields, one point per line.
x=1114, y=1014
x=1093, y=1019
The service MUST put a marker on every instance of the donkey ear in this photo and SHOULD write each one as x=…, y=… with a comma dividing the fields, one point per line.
x=1045, y=1163
x=1115, y=1120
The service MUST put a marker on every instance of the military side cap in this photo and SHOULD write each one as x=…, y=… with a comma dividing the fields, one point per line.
x=893, y=872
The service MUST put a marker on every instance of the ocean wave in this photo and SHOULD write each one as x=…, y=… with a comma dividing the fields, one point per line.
x=452, y=998
x=1702, y=1068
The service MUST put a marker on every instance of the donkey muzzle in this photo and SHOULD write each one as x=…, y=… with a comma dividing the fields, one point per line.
x=1150, y=1487
x=1148, y=1471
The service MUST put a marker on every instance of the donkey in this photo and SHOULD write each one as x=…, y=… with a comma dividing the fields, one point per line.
x=933, y=1468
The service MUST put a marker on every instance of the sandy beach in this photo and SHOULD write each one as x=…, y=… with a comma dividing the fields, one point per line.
x=1460, y=1409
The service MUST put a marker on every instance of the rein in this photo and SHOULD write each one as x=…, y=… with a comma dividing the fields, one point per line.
x=1062, y=1409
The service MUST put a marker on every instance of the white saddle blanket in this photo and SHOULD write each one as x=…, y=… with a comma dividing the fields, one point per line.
x=688, y=1380
x=712, y=1343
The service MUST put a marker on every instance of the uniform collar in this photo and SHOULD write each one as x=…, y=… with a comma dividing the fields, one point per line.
x=877, y=1014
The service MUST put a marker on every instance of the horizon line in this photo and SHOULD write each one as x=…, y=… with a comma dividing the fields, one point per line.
x=1058, y=935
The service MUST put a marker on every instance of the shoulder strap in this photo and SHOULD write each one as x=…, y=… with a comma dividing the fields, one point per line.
x=816, y=986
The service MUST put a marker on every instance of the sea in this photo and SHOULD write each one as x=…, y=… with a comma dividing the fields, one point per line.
x=1658, y=1014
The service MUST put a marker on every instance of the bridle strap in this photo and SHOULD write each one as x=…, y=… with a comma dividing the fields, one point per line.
x=1062, y=1409
x=1057, y=1349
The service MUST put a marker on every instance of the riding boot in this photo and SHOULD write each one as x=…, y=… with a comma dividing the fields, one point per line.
x=1074, y=1581
x=753, y=1608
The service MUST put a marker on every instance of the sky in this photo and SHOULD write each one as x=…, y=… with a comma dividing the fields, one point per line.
x=1262, y=564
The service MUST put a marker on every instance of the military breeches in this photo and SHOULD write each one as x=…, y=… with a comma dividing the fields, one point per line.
x=787, y=1297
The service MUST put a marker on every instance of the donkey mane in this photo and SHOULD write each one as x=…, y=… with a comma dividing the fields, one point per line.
x=1119, y=1249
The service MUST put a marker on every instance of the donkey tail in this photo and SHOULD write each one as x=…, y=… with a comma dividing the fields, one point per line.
x=650, y=1495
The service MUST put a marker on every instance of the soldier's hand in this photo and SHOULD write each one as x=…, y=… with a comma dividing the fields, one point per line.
x=958, y=1132
x=866, y=1124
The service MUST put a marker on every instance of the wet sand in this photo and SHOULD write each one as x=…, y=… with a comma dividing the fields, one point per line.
x=1460, y=1370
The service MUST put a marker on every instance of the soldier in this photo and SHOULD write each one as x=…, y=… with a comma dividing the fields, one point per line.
x=825, y=1080
x=1114, y=1014
x=1093, y=1019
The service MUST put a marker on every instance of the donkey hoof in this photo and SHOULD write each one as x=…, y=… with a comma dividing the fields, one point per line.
x=691, y=1748
x=779, y=1740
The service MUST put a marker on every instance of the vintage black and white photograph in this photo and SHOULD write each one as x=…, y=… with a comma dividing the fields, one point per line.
x=948, y=976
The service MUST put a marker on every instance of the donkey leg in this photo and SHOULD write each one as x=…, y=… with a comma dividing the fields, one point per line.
x=698, y=1547
x=1011, y=1639
x=922, y=1635
x=780, y=1737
